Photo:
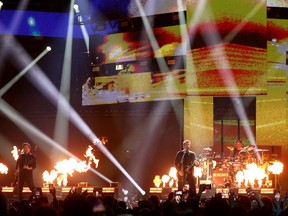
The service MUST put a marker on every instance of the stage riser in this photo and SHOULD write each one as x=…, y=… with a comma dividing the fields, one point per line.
x=164, y=192
x=62, y=192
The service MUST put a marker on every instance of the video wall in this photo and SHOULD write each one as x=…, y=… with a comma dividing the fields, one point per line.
x=226, y=54
x=133, y=66
x=228, y=48
x=135, y=45
x=277, y=3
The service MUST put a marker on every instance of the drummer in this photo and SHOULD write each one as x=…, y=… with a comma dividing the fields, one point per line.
x=243, y=153
x=237, y=148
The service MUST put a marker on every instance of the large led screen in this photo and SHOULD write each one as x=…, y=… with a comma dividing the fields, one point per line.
x=136, y=66
x=277, y=3
x=228, y=48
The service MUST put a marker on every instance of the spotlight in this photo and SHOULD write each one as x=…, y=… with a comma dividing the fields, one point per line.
x=119, y=67
x=76, y=8
x=78, y=15
x=1, y=4
x=48, y=48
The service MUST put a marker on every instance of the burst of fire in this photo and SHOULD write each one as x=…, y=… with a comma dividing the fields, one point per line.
x=15, y=153
x=240, y=178
x=251, y=175
x=91, y=157
x=198, y=172
x=276, y=168
x=67, y=167
x=50, y=177
x=3, y=169
x=171, y=182
x=104, y=140
x=165, y=180
x=157, y=181
x=171, y=179
x=173, y=173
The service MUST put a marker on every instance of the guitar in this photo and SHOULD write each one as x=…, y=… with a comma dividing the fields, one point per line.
x=188, y=169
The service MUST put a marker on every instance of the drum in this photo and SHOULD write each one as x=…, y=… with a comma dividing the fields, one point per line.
x=224, y=164
x=221, y=177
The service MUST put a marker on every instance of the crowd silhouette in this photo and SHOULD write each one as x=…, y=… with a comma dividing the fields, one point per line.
x=84, y=204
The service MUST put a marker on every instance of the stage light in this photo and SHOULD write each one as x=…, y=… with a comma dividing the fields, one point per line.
x=45, y=86
x=7, y=189
x=156, y=190
x=76, y=8
x=81, y=20
x=31, y=21
x=38, y=75
x=125, y=192
x=153, y=41
x=48, y=48
x=119, y=67
x=1, y=4
x=97, y=191
x=23, y=123
x=5, y=88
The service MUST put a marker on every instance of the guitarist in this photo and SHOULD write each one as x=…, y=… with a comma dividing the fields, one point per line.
x=25, y=165
x=185, y=161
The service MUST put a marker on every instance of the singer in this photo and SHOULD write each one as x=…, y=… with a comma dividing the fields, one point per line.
x=25, y=165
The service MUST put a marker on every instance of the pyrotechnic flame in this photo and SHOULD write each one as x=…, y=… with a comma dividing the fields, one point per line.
x=3, y=169
x=91, y=157
x=68, y=167
x=171, y=182
x=173, y=173
x=50, y=177
x=250, y=174
x=15, y=153
x=239, y=178
x=171, y=178
x=157, y=181
x=165, y=179
x=198, y=172
x=103, y=140
x=276, y=168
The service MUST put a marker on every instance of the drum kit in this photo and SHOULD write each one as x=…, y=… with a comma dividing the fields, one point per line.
x=221, y=170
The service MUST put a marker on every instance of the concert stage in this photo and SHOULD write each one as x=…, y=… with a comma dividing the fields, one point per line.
x=162, y=192
x=62, y=192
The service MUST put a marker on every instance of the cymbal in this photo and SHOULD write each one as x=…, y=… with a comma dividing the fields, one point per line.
x=230, y=148
x=207, y=149
x=246, y=149
x=262, y=150
x=243, y=151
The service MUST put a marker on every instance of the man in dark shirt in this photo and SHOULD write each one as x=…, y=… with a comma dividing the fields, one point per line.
x=185, y=161
x=25, y=165
x=237, y=149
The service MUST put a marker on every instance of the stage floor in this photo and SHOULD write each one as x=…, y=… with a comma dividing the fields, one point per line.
x=62, y=192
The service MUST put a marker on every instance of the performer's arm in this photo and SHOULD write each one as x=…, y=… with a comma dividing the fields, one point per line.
x=196, y=162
